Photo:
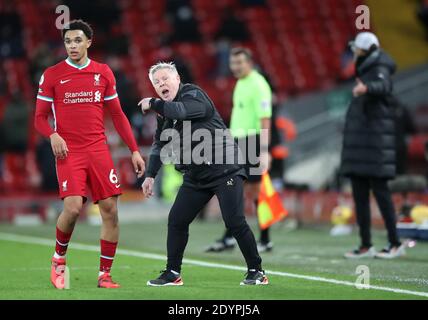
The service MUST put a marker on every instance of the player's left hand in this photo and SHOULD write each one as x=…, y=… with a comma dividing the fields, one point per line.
x=138, y=163
x=144, y=104
x=359, y=89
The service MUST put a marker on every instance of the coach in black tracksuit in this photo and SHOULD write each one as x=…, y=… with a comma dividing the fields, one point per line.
x=203, y=178
x=368, y=155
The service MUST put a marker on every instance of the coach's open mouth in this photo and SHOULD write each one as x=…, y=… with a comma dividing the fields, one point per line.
x=165, y=92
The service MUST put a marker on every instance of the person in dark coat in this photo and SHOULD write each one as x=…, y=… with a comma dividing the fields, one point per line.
x=369, y=143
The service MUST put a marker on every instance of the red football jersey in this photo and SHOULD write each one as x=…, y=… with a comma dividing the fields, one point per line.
x=77, y=94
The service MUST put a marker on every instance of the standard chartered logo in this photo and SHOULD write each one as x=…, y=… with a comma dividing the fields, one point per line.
x=82, y=97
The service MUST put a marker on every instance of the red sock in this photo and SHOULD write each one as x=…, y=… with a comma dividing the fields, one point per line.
x=108, y=250
x=62, y=240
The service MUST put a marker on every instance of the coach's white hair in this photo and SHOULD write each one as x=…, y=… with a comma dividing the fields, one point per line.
x=161, y=65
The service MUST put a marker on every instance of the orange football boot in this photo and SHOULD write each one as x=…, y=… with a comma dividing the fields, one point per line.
x=105, y=281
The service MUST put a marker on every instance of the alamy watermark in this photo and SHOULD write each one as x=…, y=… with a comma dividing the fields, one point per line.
x=363, y=279
x=205, y=147
x=63, y=19
x=363, y=20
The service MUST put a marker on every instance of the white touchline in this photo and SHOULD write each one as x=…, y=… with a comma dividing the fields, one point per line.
x=132, y=253
x=48, y=268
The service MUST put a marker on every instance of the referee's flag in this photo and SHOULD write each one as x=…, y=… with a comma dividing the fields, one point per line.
x=270, y=209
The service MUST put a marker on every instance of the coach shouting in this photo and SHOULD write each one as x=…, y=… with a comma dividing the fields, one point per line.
x=187, y=110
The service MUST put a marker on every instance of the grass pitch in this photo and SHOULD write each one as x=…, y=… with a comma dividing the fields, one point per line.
x=302, y=261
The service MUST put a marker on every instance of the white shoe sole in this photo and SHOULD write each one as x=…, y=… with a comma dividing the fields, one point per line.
x=258, y=283
x=366, y=256
x=390, y=256
x=170, y=284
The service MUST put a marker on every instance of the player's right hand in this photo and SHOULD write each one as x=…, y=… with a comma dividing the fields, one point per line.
x=59, y=146
x=147, y=187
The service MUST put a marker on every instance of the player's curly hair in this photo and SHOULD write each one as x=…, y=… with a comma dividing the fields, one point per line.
x=78, y=25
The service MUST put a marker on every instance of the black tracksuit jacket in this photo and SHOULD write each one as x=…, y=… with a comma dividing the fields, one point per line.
x=193, y=104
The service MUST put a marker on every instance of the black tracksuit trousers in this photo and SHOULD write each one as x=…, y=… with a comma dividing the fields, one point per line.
x=188, y=203
x=361, y=193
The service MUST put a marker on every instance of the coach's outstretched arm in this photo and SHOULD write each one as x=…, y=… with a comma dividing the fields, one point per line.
x=193, y=105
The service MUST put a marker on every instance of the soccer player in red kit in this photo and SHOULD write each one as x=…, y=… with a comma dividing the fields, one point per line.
x=77, y=92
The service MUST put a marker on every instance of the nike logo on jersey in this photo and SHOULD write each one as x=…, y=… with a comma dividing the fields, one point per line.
x=64, y=81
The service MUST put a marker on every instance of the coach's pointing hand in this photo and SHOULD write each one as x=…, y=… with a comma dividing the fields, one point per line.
x=147, y=187
x=59, y=147
x=144, y=104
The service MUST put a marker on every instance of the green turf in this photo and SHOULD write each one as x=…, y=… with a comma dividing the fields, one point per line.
x=24, y=268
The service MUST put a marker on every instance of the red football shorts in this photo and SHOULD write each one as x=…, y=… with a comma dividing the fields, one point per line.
x=83, y=171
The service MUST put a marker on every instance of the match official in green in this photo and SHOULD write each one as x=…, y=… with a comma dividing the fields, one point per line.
x=251, y=112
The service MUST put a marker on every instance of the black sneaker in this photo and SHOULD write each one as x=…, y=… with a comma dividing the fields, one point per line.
x=254, y=278
x=222, y=245
x=167, y=278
